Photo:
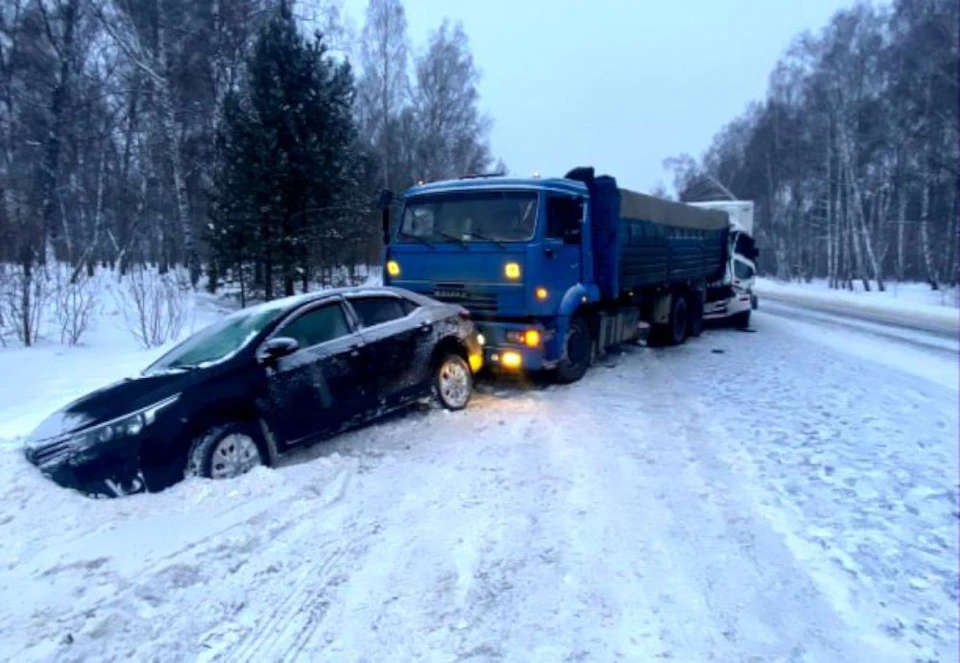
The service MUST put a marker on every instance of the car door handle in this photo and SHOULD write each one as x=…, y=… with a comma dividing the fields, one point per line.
x=355, y=349
x=425, y=327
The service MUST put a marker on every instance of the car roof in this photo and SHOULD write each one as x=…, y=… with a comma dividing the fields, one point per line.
x=294, y=301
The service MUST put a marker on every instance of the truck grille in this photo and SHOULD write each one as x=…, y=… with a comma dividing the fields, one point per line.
x=472, y=301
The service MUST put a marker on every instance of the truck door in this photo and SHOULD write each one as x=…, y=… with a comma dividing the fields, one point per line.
x=564, y=232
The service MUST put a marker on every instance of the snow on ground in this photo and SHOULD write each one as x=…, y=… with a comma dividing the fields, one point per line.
x=909, y=304
x=785, y=495
x=50, y=375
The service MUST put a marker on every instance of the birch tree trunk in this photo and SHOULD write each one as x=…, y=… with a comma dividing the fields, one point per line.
x=831, y=252
x=926, y=250
x=901, y=233
x=59, y=102
x=859, y=216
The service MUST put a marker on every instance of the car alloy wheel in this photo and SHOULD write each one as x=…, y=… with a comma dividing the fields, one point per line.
x=233, y=455
x=454, y=383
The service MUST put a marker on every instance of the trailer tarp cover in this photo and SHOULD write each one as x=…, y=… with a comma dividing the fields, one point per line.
x=668, y=213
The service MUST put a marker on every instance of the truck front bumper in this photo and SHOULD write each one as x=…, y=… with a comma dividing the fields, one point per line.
x=506, y=347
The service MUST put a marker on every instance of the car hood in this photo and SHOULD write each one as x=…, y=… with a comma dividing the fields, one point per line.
x=113, y=401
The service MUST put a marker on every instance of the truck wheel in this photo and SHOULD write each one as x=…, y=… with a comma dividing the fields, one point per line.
x=576, y=353
x=696, y=318
x=741, y=320
x=678, y=320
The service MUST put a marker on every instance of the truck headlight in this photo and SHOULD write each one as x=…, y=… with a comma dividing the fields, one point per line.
x=393, y=268
x=511, y=359
x=530, y=337
x=512, y=271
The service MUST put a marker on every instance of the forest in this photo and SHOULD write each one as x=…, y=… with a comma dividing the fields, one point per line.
x=183, y=145
x=852, y=157
x=214, y=142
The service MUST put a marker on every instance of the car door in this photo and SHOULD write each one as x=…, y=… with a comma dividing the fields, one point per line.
x=324, y=384
x=400, y=341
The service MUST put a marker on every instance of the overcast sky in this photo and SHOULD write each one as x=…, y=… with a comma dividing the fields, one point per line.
x=620, y=85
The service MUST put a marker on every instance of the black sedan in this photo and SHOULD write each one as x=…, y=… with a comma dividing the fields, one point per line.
x=257, y=383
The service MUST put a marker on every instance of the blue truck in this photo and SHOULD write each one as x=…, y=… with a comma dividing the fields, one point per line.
x=556, y=270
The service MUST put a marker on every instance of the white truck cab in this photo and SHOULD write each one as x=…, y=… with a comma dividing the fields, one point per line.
x=732, y=299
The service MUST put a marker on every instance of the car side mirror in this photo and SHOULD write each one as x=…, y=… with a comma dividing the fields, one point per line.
x=276, y=348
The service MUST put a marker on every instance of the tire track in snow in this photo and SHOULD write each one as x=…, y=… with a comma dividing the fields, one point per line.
x=148, y=592
x=291, y=624
x=809, y=620
x=712, y=546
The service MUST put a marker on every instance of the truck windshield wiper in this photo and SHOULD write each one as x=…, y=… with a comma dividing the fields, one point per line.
x=452, y=238
x=484, y=238
x=415, y=237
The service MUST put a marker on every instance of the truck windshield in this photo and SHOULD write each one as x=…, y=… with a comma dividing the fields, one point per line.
x=500, y=216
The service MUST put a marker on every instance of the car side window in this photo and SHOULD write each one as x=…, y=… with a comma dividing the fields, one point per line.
x=320, y=325
x=408, y=306
x=377, y=310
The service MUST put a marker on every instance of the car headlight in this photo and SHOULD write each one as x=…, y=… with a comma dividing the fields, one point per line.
x=129, y=425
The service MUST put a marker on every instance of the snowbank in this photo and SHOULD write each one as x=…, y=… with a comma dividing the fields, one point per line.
x=911, y=304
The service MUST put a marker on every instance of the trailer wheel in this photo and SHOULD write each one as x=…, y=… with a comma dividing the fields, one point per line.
x=678, y=320
x=576, y=353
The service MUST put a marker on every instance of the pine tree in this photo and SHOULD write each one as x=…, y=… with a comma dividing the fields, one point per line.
x=289, y=168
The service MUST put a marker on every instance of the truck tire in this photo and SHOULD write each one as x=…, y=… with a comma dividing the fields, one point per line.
x=577, y=350
x=740, y=320
x=695, y=326
x=677, y=327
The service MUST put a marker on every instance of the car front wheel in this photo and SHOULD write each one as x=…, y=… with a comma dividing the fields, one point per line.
x=225, y=451
x=454, y=382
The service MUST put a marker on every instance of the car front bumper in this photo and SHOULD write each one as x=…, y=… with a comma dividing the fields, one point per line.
x=99, y=473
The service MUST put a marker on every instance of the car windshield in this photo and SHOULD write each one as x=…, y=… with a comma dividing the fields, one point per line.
x=501, y=216
x=217, y=341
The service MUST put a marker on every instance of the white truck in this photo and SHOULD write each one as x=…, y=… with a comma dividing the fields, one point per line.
x=732, y=299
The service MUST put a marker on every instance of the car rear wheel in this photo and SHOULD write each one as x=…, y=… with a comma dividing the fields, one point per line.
x=453, y=382
x=225, y=451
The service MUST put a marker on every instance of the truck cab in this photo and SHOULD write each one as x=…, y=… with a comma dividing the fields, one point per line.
x=732, y=298
x=515, y=252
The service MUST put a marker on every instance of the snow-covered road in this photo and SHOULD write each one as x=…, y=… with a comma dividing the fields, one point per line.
x=786, y=495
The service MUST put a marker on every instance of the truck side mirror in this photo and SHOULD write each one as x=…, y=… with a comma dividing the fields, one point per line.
x=384, y=201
